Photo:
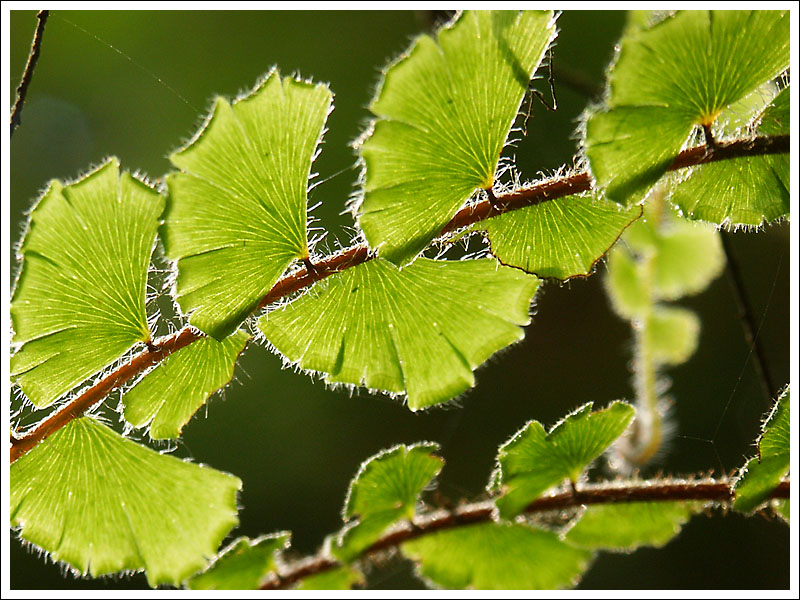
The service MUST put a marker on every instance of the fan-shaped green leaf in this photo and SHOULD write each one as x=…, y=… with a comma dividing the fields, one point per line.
x=742, y=191
x=422, y=330
x=385, y=490
x=236, y=214
x=497, y=556
x=671, y=77
x=625, y=527
x=243, y=565
x=167, y=397
x=79, y=302
x=444, y=112
x=672, y=334
x=102, y=504
x=533, y=460
x=561, y=238
x=759, y=477
x=343, y=578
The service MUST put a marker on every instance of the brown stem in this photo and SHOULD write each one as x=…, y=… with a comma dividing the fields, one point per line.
x=603, y=493
x=93, y=395
x=27, y=75
x=359, y=254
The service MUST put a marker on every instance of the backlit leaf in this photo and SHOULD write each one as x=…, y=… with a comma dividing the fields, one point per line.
x=762, y=473
x=420, y=331
x=103, y=504
x=497, y=556
x=625, y=527
x=236, y=213
x=167, y=397
x=243, y=565
x=533, y=460
x=742, y=191
x=671, y=77
x=560, y=238
x=444, y=112
x=672, y=334
x=79, y=302
x=343, y=578
x=627, y=292
x=385, y=490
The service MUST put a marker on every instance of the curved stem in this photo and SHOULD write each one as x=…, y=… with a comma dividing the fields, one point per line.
x=660, y=490
x=355, y=255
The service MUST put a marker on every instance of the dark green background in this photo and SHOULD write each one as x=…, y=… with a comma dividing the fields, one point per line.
x=295, y=443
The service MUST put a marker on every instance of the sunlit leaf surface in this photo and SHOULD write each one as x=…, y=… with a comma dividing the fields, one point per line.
x=497, y=556
x=560, y=238
x=742, y=191
x=236, y=213
x=444, y=112
x=167, y=397
x=534, y=460
x=79, y=302
x=669, y=78
x=419, y=331
x=243, y=565
x=103, y=504
x=762, y=473
x=385, y=490
x=625, y=527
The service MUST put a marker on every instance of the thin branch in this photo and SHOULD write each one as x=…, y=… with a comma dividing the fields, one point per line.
x=659, y=490
x=27, y=75
x=747, y=319
x=359, y=254
x=87, y=399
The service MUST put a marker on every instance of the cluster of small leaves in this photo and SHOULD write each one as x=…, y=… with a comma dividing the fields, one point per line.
x=497, y=550
x=232, y=219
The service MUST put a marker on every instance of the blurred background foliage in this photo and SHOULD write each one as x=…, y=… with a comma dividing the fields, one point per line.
x=136, y=84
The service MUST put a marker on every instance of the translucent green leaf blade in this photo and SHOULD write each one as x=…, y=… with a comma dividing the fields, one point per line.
x=385, y=490
x=775, y=439
x=683, y=258
x=629, y=148
x=103, y=504
x=167, y=397
x=497, y=556
x=783, y=509
x=79, y=302
x=742, y=191
x=671, y=77
x=243, y=565
x=628, y=295
x=342, y=578
x=561, y=238
x=761, y=475
x=625, y=527
x=444, y=112
x=421, y=330
x=533, y=460
x=672, y=334
x=236, y=213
